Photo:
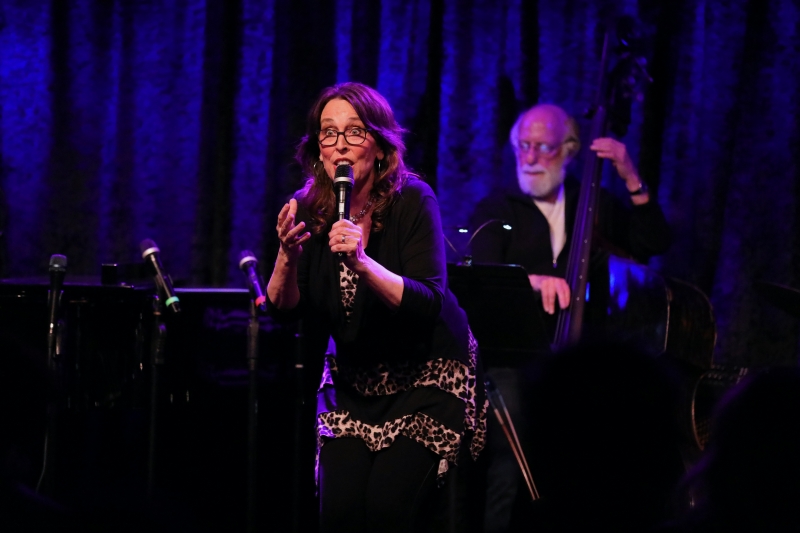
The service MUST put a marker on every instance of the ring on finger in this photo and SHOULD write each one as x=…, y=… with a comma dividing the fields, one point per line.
x=343, y=239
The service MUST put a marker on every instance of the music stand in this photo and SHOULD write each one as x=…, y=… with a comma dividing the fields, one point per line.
x=504, y=313
x=505, y=317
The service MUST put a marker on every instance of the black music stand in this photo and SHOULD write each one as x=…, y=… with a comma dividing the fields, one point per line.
x=504, y=313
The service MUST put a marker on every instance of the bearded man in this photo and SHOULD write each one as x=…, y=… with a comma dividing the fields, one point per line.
x=541, y=213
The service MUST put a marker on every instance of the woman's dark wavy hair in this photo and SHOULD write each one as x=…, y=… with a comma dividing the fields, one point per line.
x=376, y=114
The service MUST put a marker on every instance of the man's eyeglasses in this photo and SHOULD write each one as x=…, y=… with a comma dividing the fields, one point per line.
x=542, y=150
x=353, y=136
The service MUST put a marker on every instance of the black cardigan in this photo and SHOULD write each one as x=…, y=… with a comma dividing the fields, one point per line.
x=429, y=324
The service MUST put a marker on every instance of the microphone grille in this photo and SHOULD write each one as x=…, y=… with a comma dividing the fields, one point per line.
x=344, y=172
x=147, y=247
x=246, y=256
x=58, y=262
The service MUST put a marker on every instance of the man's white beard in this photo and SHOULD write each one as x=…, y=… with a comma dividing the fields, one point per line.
x=542, y=185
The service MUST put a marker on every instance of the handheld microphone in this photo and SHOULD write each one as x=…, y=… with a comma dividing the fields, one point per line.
x=343, y=182
x=58, y=268
x=248, y=264
x=343, y=185
x=150, y=253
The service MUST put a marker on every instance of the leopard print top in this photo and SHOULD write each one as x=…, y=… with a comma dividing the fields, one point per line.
x=451, y=376
x=348, y=280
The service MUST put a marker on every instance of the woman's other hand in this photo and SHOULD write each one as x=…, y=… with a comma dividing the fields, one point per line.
x=290, y=234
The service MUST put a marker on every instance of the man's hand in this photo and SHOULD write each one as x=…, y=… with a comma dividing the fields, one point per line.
x=550, y=288
x=617, y=153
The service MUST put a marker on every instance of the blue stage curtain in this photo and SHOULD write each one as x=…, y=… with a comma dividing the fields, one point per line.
x=177, y=121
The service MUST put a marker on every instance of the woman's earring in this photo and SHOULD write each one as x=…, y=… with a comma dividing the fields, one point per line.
x=379, y=167
x=315, y=167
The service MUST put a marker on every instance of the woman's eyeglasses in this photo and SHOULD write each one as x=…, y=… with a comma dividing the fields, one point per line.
x=353, y=136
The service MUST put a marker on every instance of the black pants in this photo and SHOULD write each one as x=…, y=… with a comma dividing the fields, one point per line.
x=392, y=490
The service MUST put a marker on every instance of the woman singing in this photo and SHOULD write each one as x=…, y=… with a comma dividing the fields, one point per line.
x=402, y=395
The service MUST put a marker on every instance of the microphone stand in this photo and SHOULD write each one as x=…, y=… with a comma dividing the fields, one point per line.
x=252, y=418
x=299, y=419
x=46, y=479
x=159, y=335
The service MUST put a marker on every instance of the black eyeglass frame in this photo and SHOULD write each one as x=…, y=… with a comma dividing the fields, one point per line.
x=336, y=140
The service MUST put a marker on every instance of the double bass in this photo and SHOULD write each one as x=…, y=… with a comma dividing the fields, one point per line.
x=661, y=315
x=631, y=303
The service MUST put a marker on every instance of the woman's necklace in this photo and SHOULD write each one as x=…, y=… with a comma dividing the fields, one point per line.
x=355, y=218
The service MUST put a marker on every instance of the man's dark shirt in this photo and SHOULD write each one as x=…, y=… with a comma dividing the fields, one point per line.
x=640, y=231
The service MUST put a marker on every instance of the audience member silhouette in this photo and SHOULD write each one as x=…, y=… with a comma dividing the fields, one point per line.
x=749, y=476
x=606, y=450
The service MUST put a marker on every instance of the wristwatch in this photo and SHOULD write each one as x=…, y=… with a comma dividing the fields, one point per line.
x=641, y=190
